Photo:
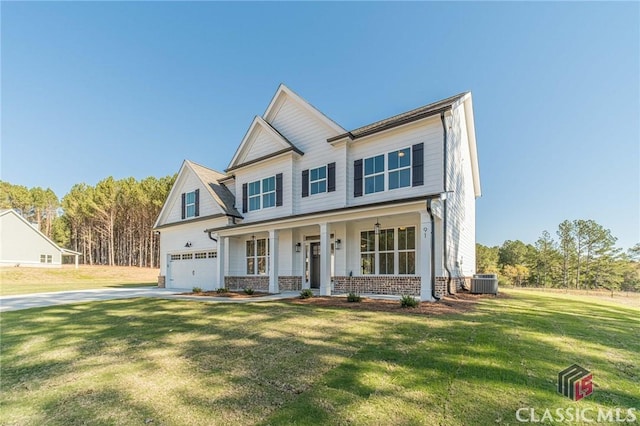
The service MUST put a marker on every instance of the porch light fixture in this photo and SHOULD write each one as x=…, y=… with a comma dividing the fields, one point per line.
x=253, y=238
x=376, y=227
x=338, y=244
x=298, y=247
x=188, y=244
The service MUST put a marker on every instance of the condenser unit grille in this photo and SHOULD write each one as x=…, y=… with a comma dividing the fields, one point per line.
x=484, y=284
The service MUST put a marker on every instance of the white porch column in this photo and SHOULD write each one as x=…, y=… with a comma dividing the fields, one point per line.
x=77, y=256
x=325, y=260
x=273, y=261
x=221, y=260
x=424, y=245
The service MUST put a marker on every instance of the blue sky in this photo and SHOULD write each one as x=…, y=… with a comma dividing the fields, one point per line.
x=93, y=89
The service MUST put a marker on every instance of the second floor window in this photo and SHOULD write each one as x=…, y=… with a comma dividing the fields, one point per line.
x=318, y=180
x=374, y=174
x=399, y=168
x=262, y=194
x=190, y=204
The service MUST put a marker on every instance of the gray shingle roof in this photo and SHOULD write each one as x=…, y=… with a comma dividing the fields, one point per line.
x=400, y=119
x=220, y=193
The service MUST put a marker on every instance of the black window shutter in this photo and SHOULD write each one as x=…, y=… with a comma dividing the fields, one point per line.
x=418, y=164
x=357, y=178
x=331, y=177
x=305, y=183
x=197, y=202
x=279, y=189
x=184, y=206
x=244, y=198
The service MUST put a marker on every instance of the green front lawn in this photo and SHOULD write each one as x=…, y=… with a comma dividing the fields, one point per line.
x=188, y=363
x=25, y=280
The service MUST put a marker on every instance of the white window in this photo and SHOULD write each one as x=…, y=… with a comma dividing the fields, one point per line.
x=391, y=252
x=201, y=255
x=190, y=204
x=257, y=252
x=187, y=256
x=318, y=180
x=399, y=168
x=43, y=258
x=407, y=250
x=368, y=252
x=213, y=255
x=175, y=257
x=262, y=193
x=374, y=174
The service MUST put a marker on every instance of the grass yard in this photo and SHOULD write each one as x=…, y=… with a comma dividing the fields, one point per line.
x=40, y=280
x=171, y=362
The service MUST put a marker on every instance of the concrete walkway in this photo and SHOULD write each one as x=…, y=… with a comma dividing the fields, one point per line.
x=39, y=300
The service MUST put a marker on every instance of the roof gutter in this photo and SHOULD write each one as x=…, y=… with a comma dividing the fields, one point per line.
x=444, y=206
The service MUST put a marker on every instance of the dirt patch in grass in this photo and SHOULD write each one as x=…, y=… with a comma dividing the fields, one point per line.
x=462, y=302
x=229, y=294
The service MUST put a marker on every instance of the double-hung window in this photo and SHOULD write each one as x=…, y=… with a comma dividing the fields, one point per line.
x=407, y=250
x=399, y=168
x=318, y=180
x=257, y=252
x=262, y=193
x=190, y=204
x=374, y=174
x=391, y=252
x=368, y=252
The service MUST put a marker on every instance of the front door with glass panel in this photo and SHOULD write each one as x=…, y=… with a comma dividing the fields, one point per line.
x=314, y=265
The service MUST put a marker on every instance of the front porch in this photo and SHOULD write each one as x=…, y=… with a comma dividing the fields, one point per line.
x=385, y=251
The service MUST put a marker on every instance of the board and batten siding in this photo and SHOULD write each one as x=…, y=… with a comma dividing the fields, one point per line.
x=461, y=199
x=189, y=183
x=429, y=132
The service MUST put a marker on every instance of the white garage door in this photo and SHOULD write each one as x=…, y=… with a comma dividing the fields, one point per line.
x=196, y=269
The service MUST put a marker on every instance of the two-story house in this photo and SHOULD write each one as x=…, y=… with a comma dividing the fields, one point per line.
x=387, y=208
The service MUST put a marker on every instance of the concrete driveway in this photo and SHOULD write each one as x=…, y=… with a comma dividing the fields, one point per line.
x=39, y=300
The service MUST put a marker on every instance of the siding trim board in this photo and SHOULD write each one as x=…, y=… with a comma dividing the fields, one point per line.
x=266, y=157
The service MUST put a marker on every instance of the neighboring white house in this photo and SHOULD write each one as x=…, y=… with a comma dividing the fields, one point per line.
x=22, y=244
x=387, y=208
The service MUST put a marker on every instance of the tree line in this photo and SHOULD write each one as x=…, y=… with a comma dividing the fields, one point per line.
x=582, y=256
x=109, y=223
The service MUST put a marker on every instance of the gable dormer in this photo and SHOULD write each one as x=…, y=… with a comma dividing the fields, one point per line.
x=197, y=194
x=261, y=143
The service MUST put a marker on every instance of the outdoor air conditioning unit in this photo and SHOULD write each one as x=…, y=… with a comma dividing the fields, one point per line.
x=484, y=284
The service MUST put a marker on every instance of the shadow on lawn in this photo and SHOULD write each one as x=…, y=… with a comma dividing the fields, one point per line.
x=281, y=363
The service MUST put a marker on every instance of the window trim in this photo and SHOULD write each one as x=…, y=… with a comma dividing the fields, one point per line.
x=318, y=181
x=188, y=204
x=399, y=169
x=255, y=257
x=396, y=251
x=375, y=174
x=259, y=196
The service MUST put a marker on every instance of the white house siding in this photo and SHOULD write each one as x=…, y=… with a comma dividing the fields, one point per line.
x=262, y=143
x=264, y=169
x=310, y=135
x=173, y=241
x=461, y=199
x=22, y=245
x=428, y=132
x=189, y=182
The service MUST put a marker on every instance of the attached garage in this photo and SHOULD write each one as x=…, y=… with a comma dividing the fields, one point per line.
x=193, y=269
